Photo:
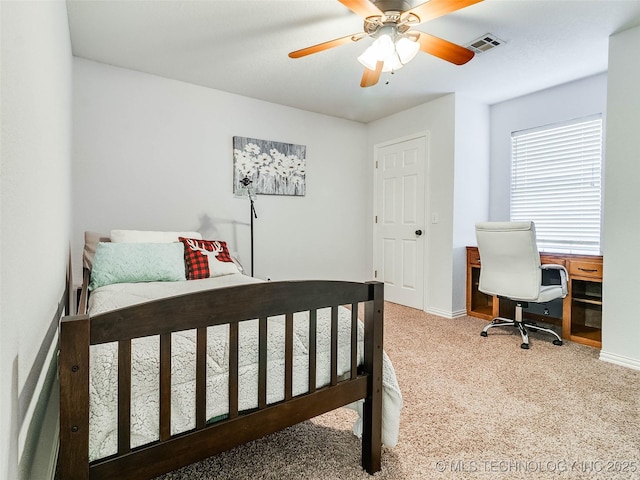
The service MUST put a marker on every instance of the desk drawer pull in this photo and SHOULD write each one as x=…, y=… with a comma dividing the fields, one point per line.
x=590, y=270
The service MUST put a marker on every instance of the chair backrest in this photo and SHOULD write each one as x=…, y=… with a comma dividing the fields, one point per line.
x=510, y=261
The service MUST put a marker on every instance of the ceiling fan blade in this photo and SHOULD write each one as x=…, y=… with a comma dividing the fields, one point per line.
x=437, y=8
x=362, y=8
x=371, y=77
x=327, y=45
x=444, y=49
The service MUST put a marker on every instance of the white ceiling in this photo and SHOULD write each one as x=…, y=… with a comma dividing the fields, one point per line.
x=241, y=47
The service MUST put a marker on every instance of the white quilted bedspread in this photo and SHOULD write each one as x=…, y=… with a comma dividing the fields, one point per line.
x=145, y=367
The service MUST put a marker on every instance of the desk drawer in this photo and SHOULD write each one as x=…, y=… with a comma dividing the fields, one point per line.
x=553, y=259
x=585, y=269
x=473, y=257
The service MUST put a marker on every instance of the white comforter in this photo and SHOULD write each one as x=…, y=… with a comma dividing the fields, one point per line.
x=145, y=367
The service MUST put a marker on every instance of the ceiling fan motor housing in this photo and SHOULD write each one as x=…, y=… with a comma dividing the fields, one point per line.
x=392, y=5
x=393, y=15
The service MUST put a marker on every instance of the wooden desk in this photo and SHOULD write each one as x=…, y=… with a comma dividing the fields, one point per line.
x=581, y=319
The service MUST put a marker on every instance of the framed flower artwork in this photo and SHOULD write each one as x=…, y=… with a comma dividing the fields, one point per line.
x=275, y=168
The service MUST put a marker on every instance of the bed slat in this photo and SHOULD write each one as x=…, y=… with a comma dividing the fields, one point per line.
x=262, y=369
x=313, y=345
x=165, y=386
x=334, y=346
x=288, y=356
x=354, y=340
x=201, y=377
x=233, y=370
x=124, y=396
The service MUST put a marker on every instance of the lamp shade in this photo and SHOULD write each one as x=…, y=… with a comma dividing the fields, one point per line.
x=380, y=50
x=392, y=63
x=369, y=58
x=407, y=49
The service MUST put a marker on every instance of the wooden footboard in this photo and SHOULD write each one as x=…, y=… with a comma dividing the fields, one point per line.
x=198, y=311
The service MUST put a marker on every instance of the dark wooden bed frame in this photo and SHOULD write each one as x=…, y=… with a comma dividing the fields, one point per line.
x=229, y=305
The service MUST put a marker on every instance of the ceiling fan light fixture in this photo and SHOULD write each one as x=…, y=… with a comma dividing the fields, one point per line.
x=369, y=58
x=407, y=49
x=380, y=50
x=385, y=50
x=392, y=63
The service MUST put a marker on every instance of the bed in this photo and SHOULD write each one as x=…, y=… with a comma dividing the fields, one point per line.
x=159, y=370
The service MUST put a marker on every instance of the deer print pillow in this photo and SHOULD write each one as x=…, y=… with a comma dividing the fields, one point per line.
x=207, y=258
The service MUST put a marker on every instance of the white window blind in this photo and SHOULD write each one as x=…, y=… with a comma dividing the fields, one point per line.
x=556, y=181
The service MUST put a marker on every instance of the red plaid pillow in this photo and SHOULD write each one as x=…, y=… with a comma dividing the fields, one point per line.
x=207, y=258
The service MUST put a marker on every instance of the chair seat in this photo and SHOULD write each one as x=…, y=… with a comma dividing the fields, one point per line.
x=547, y=293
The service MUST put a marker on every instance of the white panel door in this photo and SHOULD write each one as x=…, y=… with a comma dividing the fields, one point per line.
x=400, y=221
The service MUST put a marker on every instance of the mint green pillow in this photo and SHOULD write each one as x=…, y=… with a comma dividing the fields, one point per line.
x=137, y=262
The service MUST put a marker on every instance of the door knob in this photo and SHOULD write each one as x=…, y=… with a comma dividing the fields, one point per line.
x=418, y=232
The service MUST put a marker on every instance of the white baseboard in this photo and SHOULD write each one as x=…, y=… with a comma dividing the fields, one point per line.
x=459, y=313
x=445, y=313
x=632, y=363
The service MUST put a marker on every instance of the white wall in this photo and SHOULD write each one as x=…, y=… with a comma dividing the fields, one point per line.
x=153, y=153
x=621, y=328
x=35, y=210
x=577, y=99
x=437, y=118
x=471, y=189
x=450, y=120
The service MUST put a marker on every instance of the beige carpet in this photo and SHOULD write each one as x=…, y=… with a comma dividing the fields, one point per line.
x=473, y=408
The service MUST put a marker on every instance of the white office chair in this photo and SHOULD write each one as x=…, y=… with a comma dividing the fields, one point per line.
x=510, y=268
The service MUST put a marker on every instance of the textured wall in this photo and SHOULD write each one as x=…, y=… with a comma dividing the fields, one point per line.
x=35, y=209
x=153, y=153
x=620, y=326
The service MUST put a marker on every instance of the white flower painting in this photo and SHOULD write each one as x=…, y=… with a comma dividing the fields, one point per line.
x=275, y=168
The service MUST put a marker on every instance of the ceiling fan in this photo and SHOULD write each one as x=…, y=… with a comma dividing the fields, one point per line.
x=390, y=23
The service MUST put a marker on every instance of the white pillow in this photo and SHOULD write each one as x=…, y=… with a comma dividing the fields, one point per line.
x=148, y=236
x=91, y=240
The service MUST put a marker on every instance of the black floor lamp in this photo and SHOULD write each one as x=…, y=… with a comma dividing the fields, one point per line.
x=248, y=191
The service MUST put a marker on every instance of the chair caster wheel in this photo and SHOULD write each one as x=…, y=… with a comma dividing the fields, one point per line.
x=525, y=346
x=557, y=342
x=483, y=334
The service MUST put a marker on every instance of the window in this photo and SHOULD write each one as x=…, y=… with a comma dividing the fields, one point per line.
x=556, y=181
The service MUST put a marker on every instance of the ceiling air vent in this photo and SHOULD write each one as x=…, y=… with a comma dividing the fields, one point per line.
x=485, y=43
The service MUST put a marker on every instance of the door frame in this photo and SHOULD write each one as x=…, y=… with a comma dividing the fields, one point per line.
x=425, y=167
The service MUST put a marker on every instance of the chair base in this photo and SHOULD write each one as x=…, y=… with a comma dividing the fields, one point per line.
x=522, y=326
